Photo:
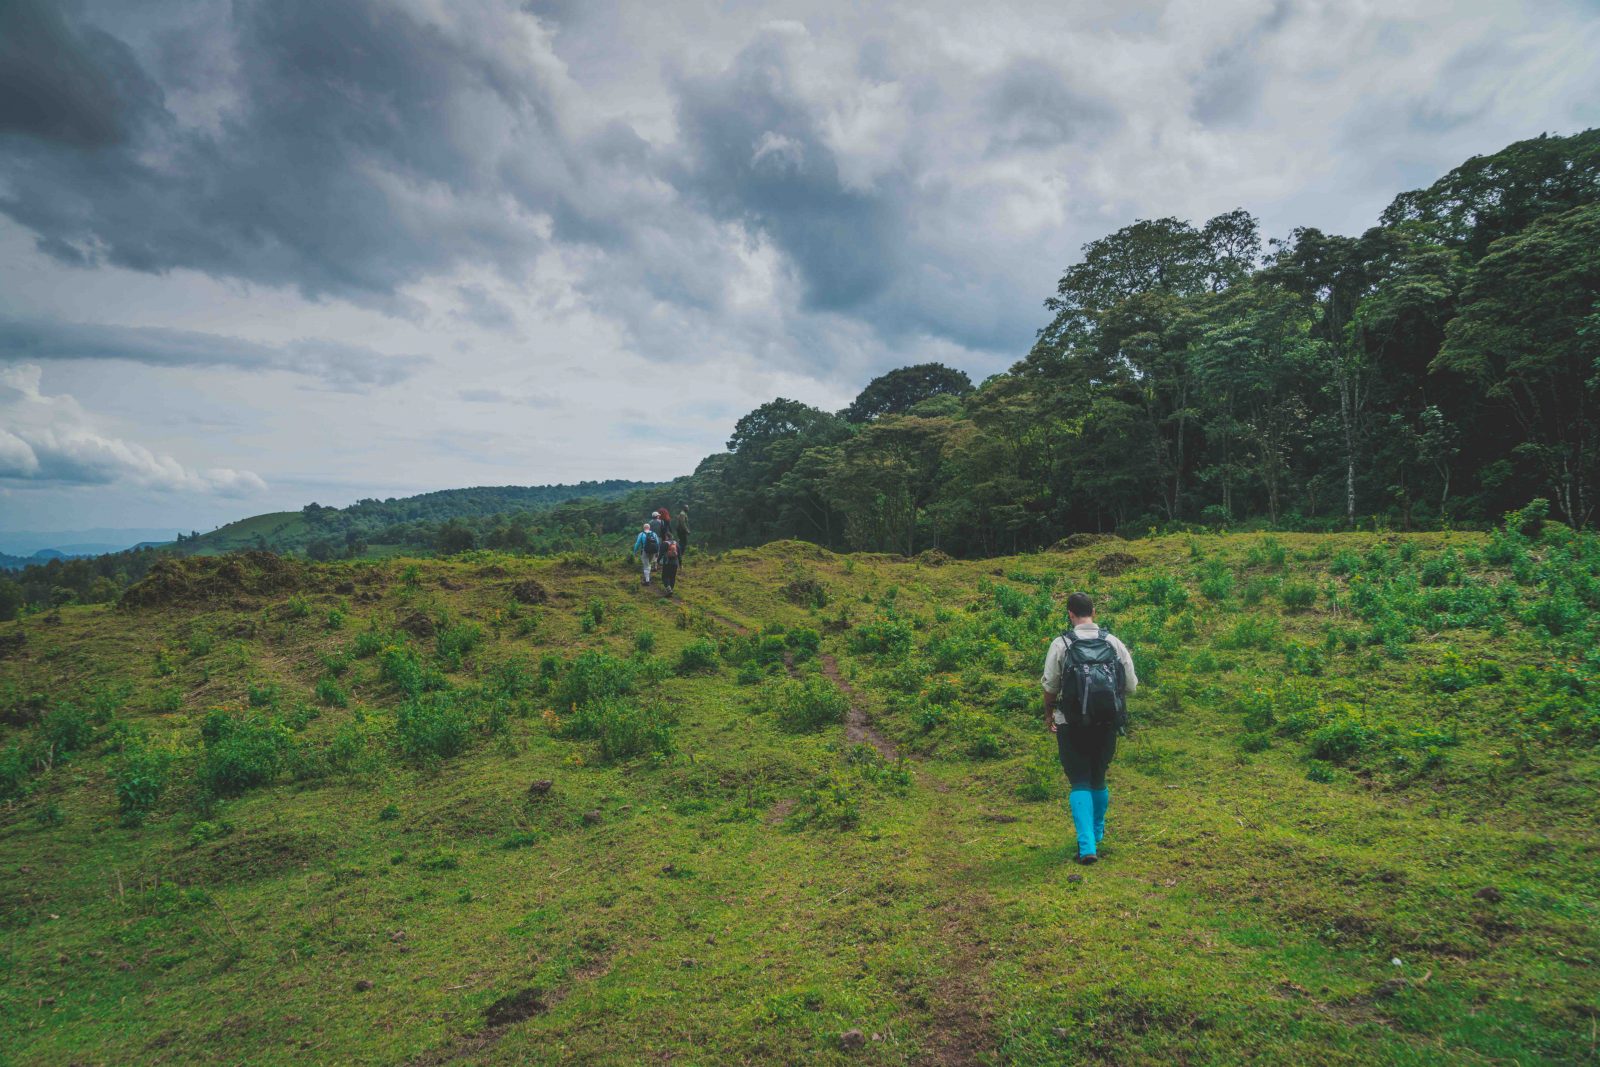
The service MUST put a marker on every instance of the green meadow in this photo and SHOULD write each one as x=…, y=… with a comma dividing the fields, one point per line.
x=495, y=809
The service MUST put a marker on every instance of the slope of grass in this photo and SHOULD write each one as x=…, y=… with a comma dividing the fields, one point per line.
x=507, y=810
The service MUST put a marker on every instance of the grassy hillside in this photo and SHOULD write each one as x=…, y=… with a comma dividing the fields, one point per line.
x=275, y=527
x=506, y=810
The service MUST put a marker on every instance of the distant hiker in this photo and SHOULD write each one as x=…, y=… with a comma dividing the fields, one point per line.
x=670, y=554
x=1088, y=675
x=659, y=526
x=646, y=546
x=682, y=531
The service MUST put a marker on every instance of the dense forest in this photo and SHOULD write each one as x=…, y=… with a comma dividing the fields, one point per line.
x=1438, y=370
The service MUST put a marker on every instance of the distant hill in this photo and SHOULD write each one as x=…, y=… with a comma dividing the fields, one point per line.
x=392, y=521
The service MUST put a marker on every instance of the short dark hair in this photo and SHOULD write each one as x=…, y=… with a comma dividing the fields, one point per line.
x=1080, y=605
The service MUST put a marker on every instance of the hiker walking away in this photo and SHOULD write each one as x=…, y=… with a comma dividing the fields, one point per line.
x=659, y=526
x=670, y=555
x=646, y=546
x=1088, y=675
x=681, y=529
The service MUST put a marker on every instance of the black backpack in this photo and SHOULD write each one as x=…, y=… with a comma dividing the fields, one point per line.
x=652, y=543
x=1092, y=682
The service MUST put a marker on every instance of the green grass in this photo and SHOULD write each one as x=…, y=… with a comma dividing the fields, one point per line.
x=237, y=858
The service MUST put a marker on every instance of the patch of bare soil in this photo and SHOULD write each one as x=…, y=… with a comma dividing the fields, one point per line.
x=858, y=729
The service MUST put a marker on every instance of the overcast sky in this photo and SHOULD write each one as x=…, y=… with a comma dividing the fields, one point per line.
x=263, y=252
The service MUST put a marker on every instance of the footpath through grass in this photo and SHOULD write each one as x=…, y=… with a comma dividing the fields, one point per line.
x=504, y=810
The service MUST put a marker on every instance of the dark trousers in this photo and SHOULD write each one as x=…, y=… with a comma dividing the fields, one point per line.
x=1086, y=752
x=669, y=573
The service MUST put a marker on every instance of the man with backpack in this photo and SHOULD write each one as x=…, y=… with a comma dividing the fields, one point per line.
x=1088, y=675
x=646, y=546
x=681, y=529
x=669, y=563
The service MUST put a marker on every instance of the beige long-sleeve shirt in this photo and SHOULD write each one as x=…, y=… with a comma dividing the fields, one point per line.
x=1055, y=659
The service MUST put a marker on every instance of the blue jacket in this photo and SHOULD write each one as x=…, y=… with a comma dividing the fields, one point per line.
x=641, y=544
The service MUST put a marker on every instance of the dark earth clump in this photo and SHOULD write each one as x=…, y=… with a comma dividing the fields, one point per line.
x=515, y=1007
x=1073, y=542
x=205, y=579
x=1113, y=563
x=1490, y=894
x=852, y=1039
x=11, y=643
x=529, y=591
x=540, y=788
x=417, y=625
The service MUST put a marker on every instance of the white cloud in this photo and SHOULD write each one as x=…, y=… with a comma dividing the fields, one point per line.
x=50, y=440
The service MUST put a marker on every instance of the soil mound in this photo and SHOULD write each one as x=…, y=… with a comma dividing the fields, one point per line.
x=1114, y=563
x=933, y=557
x=529, y=591
x=1073, y=542
x=207, y=579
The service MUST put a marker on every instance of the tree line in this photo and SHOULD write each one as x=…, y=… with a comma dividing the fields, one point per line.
x=1439, y=369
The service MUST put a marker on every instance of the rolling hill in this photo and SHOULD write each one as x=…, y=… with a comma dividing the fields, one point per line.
x=496, y=809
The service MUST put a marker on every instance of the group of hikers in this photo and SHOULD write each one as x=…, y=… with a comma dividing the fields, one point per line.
x=1088, y=675
x=663, y=540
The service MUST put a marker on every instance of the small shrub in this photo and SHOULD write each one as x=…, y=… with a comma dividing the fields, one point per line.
x=335, y=619
x=388, y=813
x=1217, y=588
x=440, y=861
x=431, y=727
x=644, y=641
x=834, y=802
x=594, y=676
x=68, y=729
x=809, y=705
x=241, y=752
x=331, y=693
x=985, y=742
x=804, y=642
x=626, y=729
x=698, y=657
x=1268, y=553
x=399, y=666
x=263, y=694
x=1039, y=778
x=167, y=700
x=335, y=663
x=50, y=815
x=296, y=607
x=371, y=641
x=455, y=642
x=1298, y=596
x=1318, y=771
x=1255, y=742
x=1251, y=632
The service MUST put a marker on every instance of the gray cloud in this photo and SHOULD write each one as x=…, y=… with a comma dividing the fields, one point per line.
x=335, y=364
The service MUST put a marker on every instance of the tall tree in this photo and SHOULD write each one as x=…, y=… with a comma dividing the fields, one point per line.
x=1529, y=332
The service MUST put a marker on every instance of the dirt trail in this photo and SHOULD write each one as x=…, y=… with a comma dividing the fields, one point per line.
x=858, y=729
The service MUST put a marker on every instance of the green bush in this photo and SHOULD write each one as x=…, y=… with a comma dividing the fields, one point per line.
x=698, y=657
x=16, y=767
x=834, y=802
x=140, y=777
x=399, y=666
x=984, y=742
x=432, y=726
x=804, y=642
x=371, y=641
x=331, y=693
x=1218, y=587
x=296, y=607
x=67, y=729
x=241, y=752
x=644, y=641
x=594, y=676
x=335, y=619
x=884, y=638
x=627, y=729
x=1298, y=596
x=1251, y=632
x=1343, y=736
x=454, y=642
x=810, y=704
x=263, y=694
